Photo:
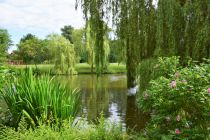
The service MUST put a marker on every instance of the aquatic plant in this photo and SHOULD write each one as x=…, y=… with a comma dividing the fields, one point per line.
x=39, y=99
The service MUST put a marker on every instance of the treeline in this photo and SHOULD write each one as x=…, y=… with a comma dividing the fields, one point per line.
x=33, y=50
x=65, y=50
x=147, y=30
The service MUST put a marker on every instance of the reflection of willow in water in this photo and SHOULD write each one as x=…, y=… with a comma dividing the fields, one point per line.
x=107, y=94
x=97, y=99
x=135, y=119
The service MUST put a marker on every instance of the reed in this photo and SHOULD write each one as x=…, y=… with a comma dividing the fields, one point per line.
x=39, y=99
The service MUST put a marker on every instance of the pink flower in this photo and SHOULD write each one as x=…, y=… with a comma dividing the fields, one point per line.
x=177, y=131
x=208, y=90
x=173, y=84
x=178, y=118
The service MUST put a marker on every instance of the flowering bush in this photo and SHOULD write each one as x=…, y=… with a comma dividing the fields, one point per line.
x=153, y=68
x=179, y=104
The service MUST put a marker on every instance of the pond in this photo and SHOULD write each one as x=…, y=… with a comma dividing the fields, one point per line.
x=107, y=94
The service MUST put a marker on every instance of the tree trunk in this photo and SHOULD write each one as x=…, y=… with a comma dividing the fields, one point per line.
x=131, y=66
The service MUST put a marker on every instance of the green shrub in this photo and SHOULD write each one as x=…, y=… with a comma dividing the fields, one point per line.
x=40, y=99
x=81, y=131
x=3, y=73
x=152, y=68
x=179, y=103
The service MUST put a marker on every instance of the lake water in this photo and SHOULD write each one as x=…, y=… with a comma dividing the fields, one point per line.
x=107, y=94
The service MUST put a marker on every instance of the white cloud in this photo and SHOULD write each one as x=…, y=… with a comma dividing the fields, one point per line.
x=48, y=15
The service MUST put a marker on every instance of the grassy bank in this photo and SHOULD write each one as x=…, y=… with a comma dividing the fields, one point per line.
x=82, y=131
x=81, y=68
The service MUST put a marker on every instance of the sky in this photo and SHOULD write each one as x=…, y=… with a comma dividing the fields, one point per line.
x=39, y=17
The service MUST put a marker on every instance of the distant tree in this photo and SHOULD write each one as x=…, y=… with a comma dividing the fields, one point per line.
x=67, y=32
x=14, y=55
x=27, y=37
x=79, y=44
x=90, y=42
x=5, y=42
x=115, y=52
x=63, y=54
x=92, y=48
x=32, y=50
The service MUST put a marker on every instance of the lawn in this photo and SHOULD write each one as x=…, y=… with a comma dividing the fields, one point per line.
x=81, y=68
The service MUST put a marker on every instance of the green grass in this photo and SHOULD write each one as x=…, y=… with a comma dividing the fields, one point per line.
x=81, y=68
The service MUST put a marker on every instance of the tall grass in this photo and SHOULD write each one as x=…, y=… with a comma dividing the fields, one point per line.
x=39, y=100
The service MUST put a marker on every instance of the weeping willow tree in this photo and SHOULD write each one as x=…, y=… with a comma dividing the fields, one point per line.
x=167, y=27
x=63, y=54
x=93, y=49
x=94, y=14
x=183, y=28
x=197, y=28
x=171, y=27
x=129, y=17
x=90, y=41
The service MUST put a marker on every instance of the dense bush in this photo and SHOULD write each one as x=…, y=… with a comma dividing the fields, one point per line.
x=153, y=68
x=179, y=102
x=39, y=99
x=81, y=131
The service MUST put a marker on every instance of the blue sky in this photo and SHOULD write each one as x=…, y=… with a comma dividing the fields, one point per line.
x=39, y=17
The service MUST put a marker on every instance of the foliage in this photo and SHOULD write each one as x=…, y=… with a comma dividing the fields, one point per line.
x=63, y=54
x=5, y=42
x=29, y=36
x=147, y=72
x=78, y=36
x=32, y=50
x=178, y=100
x=172, y=27
x=117, y=53
x=67, y=32
x=104, y=130
x=150, y=69
x=90, y=42
x=100, y=59
x=39, y=100
x=3, y=72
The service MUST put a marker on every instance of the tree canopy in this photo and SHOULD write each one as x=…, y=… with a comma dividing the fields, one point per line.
x=78, y=37
x=32, y=49
x=5, y=42
x=63, y=54
x=67, y=32
x=27, y=37
x=172, y=27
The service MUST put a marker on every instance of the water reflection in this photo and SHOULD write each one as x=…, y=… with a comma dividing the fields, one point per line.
x=135, y=119
x=107, y=94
